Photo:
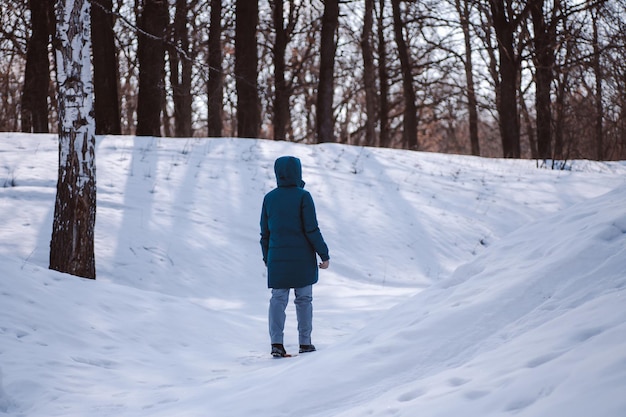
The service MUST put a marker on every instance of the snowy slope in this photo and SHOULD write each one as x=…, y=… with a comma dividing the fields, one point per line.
x=540, y=333
x=458, y=285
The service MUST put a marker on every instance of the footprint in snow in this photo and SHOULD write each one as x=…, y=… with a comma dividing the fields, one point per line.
x=540, y=360
x=411, y=395
x=456, y=382
x=100, y=363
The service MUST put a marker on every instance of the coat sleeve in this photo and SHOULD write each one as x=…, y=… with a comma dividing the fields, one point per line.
x=311, y=228
x=265, y=233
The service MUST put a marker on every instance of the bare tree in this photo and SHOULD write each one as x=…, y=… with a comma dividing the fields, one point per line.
x=409, y=123
x=506, y=23
x=562, y=83
x=246, y=69
x=617, y=68
x=215, y=84
x=369, y=73
x=105, y=67
x=383, y=79
x=34, y=106
x=180, y=60
x=328, y=47
x=313, y=74
x=281, y=89
x=152, y=24
x=544, y=41
x=597, y=72
x=463, y=8
x=301, y=72
x=72, y=243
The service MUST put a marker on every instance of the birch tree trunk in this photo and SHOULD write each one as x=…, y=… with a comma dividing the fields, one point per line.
x=72, y=244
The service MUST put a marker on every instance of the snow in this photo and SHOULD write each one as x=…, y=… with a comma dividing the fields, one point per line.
x=458, y=286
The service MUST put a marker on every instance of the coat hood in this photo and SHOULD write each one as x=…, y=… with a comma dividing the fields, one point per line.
x=288, y=170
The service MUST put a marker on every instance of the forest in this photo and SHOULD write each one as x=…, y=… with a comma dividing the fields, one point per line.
x=541, y=79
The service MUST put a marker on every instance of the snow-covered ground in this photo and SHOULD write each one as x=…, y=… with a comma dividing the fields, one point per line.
x=458, y=286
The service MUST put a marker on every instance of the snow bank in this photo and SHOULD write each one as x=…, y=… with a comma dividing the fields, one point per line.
x=458, y=286
x=535, y=326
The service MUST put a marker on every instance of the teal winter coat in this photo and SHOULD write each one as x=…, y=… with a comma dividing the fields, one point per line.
x=290, y=236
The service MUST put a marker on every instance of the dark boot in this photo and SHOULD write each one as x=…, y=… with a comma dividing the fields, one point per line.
x=307, y=348
x=278, y=350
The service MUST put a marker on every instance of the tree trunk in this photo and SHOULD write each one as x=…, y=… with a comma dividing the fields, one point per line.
x=508, y=70
x=597, y=70
x=246, y=71
x=180, y=72
x=383, y=80
x=34, y=106
x=559, y=105
x=105, y=68
x=151, y=56
x=409, y=123
x=325, y=91
x=281, y=93
x=559, y=118
x=369, y=74
x=544, y=42
x=622, y=134
x=72, y=243
x=529, y=126
x=215, y=87
x=472, y=104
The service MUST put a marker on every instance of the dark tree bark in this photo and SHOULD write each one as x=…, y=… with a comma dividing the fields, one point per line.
x=151, y=56
x=180, y=71
x=409, y=123
x=369, y=74
x=34, y=106
x=383, y=80
x=562, y=75
x=246, y=71
x=215, y=87
x=328, y=46
x=559, y=117
x=105, y=67
x=544, y=59
x=505, y=27
x=72, y=243
x=597, y=71
x=525, y=116
x=281, y=92
x=463, y=8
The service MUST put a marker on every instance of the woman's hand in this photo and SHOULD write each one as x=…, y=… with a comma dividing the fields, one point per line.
x=324, y=264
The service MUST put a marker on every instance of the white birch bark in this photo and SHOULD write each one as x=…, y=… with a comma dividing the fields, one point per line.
x=72, y=244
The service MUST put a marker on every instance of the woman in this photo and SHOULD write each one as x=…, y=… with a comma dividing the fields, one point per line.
x=290, y=240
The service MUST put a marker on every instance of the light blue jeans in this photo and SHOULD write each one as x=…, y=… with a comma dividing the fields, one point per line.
x=304, y=313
